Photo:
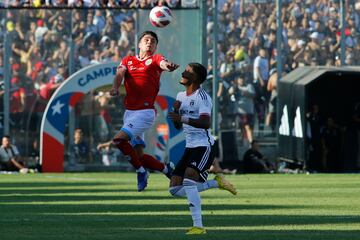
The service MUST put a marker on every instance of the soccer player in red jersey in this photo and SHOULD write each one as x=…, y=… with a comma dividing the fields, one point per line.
x=141, y=76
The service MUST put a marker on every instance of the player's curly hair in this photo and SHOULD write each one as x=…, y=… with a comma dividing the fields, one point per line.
x=151, y=33
x=200, y=71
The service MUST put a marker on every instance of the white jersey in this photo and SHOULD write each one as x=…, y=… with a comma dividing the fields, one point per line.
x=192, y=106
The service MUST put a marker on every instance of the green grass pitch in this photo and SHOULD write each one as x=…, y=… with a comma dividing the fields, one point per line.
x=106, y=206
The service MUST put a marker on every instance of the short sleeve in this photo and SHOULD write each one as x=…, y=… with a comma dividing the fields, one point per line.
x=205, y=106
x=158, y=58
x=178, y=96
x=123, y=63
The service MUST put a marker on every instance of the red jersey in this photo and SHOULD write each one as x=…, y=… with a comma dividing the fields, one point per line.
x=142, y=81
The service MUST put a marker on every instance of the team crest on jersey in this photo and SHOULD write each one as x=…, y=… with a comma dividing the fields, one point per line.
x=148, y=62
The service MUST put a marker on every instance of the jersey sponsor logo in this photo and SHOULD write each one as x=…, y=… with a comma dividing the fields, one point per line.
x=130, y=62
x=148, y=62
x=192, y=103
x=132, y=68
x=193, y=163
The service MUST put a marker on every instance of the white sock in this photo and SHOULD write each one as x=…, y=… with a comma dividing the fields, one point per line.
x=165, y=170
x=194, y=200
x=140, y=169
x=179, y=191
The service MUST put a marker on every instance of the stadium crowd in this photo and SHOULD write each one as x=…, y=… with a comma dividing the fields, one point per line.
x=247, y=53
x=247, y=42
x=89, y=3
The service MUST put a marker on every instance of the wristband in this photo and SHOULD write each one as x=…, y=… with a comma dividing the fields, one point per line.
x=184, y=119
x=175, y=110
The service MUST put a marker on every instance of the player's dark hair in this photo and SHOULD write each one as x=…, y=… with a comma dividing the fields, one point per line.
x=200, y=71
x=151, y=33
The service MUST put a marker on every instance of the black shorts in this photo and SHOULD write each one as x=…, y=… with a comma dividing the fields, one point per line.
x=199, y=158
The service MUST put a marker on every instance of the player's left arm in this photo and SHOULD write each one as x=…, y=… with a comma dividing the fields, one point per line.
x=204, y=121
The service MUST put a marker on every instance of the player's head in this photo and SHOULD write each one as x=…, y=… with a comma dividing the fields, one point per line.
x=194, y=73
x=148, y=41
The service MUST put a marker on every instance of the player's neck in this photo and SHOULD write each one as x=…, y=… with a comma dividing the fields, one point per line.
x=191, y=89
x=143, y=55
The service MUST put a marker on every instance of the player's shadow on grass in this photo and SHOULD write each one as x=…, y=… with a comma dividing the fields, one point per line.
x=168, y=212
x=121, y=208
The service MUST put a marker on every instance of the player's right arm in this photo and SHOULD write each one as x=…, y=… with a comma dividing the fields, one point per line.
x=175, y=116
x=118, y=80
x=168, y=66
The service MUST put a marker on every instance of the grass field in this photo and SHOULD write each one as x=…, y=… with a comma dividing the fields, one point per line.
x=106, y=206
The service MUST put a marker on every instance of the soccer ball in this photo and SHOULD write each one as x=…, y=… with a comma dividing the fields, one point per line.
x=160, y=16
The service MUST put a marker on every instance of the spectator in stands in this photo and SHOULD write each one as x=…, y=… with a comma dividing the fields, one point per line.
x=40, y=31
x=244, y=94
x=109, y=3
x=109, y=153
x=255, y=161
x=99, y=20
x=79, y=151
x=61, y=55
x=261, y=77
x=83, y=58
x=34, y=155
x=331, y=146
x=56, y=3
x=10, y=159
x=61, y=27
x=17, y=98
x=103, y=118
x=270, y=120
x=315, y=125
x=110, y=28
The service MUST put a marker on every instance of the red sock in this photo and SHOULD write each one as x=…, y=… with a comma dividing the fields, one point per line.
x=151, y=163
x=127, y=149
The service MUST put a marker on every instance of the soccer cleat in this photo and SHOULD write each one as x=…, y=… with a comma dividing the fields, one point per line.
x=142, y=178
x=196, y=231
x=224, y=184
x=170, y=168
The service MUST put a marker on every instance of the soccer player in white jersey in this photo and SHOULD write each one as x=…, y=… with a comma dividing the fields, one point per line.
x=192, y=113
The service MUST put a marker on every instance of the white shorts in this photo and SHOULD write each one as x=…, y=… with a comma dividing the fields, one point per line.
x=136, y=122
